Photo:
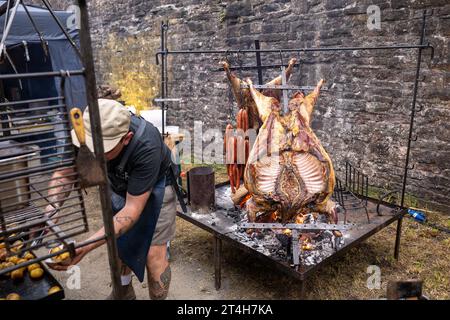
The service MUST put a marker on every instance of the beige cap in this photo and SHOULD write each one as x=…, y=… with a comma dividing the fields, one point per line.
x=115, y=120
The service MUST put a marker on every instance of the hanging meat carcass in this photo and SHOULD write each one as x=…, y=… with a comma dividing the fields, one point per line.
x=288, y=170
x=247, y=117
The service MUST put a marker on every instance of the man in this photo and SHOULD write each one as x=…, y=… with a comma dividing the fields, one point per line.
x=143, y=200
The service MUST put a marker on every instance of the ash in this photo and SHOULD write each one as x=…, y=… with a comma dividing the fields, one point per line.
x=324, y=245
x=277, y=245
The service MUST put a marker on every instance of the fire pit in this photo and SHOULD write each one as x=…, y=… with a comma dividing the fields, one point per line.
x=276, y=244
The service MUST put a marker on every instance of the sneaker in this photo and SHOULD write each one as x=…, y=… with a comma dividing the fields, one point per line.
x=128, y=293
x=155, y=290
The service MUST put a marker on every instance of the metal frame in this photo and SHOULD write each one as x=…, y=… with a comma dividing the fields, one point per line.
x=356, y=183
x=88, y=72
x=164, y=52
x=20, y=221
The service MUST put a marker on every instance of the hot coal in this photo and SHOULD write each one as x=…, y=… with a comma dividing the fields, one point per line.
x=276, y=243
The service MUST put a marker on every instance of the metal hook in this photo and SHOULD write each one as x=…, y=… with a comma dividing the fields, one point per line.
x=411, y=167
x=425, y=12
x=414, y=139
x=164, y=25
x=432, y=51
x=62, y=84
x=239, y=60
x=27, y=53
x=298, y=61
x=281, y=59
x=419, y=109
x=227, y=53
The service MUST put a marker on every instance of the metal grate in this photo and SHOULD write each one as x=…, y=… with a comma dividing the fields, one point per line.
x=35, y=142
x=353, y=193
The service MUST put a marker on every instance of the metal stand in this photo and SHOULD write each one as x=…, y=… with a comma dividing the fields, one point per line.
x=302, y=289
x=410, y=138
x=105, y=196
x=217, y=262
x=164, y=52
x=348, y=193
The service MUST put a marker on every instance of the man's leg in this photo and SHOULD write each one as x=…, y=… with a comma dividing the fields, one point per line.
x=158, y=272
x=158, y=268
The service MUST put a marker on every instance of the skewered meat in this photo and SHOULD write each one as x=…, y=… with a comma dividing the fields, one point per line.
x=243, y=97
x=237, y=146
x=288, y=169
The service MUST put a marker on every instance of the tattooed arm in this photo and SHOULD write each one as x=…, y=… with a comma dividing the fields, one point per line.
x=60, y=186
x=123, y=221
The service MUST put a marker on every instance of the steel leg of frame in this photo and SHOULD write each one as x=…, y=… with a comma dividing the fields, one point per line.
x=397, y=239
x=218, y=262
x=302, y=290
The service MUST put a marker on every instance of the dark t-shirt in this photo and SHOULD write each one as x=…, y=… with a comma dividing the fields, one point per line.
x=147, y=163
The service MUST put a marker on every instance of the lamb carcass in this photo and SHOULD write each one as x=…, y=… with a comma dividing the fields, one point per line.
x=288, y=170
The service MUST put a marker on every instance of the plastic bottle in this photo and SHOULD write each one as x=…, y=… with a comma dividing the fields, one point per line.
x=417, y=215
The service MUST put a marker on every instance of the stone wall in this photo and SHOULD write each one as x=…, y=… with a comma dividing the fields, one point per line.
x=363, y=117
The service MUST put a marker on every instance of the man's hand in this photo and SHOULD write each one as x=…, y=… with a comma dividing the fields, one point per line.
x=123, y=221
x=79, y=255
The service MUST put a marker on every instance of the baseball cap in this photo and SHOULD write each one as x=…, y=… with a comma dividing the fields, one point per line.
x=115, y=122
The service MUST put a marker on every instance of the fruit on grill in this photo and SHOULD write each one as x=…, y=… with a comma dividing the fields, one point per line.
x=28, y=255
x=54, y=289
x=33, y=266
x=288, y=169
x=61, y=257
x=17, y=274
x=13, y=296
x=5, y=265
x=13, y=259
x=36, y=273
x=17, y=245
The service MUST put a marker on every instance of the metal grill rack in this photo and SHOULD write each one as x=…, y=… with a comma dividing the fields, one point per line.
x=26, y=169
x=353, y=193
x=35, y=142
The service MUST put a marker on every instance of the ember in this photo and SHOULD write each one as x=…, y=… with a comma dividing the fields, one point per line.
x=277, y=242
